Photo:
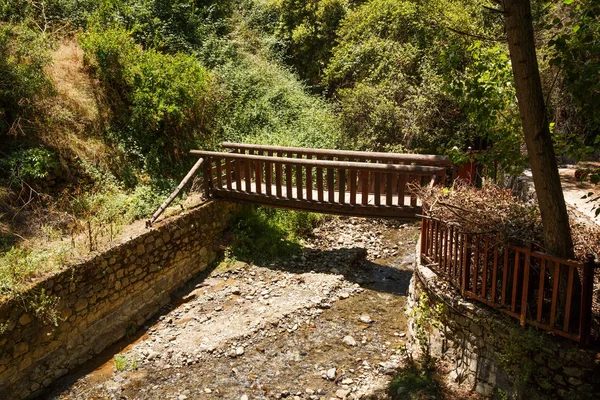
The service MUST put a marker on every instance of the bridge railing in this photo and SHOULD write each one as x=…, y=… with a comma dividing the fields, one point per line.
x=536, y=288
x=316, y=184
x=346, y=155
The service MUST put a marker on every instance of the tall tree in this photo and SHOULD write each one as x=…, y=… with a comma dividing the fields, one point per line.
x=544, y=168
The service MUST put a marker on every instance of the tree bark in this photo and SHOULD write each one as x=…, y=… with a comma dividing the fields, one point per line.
x=544, y=168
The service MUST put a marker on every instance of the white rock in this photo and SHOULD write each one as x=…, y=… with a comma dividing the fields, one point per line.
x=366, y=319
x=239, y=351
x=331, y=373
x=349, y=341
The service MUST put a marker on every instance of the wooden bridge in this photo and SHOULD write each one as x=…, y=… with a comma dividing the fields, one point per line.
x=320, y=180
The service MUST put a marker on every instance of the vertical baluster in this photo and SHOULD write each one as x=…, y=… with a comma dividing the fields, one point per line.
x=525, y=289
x=377, y=189
x=289, y=180
x=388, y=188
x=309, y=183
x=269, y=175
x=448, y=251
x=466, y=268
x=364, y=177
x=401, y=188
x=330, y=185
x=219, y=173
x=476, y=242
x=413, y=196
x=513, y=303
x=542, y=283
x=228, y=173
x=555, y=278
x=342, y=184
x=484, y=277
x=505, y=268
x=567, y=319
x=353, y=187
x=495, y=274
x=279, y=176
x=299, y=185
x=248, y=172
x=238, y=174
x=320, y=190
x=258, y=174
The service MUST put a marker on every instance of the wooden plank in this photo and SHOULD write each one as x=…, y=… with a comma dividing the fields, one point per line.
x=466, y=265
x=542, y=283
x=258, y=176
x=228, y=172
x=248, y=173
x=420, y=159
x=513, y=303
x=330, y=185
x=320, y=180
x=342, y=185
x=388, y=188
x=238, y=174
x=269, y=175
x=362, y=166
x=377, y=188
x=207, y=177
x=219, y=179
x=413, y=196
x=525, y=288
x=504, y=275
x=495, y=273
x=458, y=258
x=484, y=276
x=299, y=185
x=289, y=177
x=316, y=206
x=401, y=188
x=424, y=229
x=476, y=264
x=364, y=177
x=353, y=186
x=279, y=178
x=554, y=304
x=567, y=319
x=447, y=242
x=309, y=183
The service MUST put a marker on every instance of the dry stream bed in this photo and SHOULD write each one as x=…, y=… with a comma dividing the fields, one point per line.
x=328, y=324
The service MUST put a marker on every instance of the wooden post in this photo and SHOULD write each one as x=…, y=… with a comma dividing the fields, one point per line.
x=587, y=290
x=464, y=286
x=207, y=177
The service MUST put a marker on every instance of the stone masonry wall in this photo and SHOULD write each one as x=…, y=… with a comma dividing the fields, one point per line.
x=99, y=299
x=494, y=355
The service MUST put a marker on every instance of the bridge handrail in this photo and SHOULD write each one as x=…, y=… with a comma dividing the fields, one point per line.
x=352, y=165
x=375, y=156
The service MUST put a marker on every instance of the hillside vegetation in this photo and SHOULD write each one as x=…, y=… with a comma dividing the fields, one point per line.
x=100, y=101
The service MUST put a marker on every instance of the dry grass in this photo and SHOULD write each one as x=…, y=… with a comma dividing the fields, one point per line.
x=494, y=211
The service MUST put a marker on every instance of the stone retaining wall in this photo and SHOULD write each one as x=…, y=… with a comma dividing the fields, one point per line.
x=493, y=354
x=101, y=298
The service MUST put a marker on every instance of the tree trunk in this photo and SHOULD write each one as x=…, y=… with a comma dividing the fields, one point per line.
x=544, y=168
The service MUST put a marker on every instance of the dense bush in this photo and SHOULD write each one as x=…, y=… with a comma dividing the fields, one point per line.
x=157, y=99
x=23, y=56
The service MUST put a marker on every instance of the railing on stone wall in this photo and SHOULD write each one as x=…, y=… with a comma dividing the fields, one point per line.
x=538, y=289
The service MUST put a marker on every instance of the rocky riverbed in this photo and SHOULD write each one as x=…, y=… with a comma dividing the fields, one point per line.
x=329, y=324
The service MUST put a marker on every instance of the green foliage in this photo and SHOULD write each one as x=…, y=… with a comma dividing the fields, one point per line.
x=574, y=49
x=263, y=234
x=29, y=164
x=413, y=382
x=426, y=318
x=517, y=348
x=157, y=99
x=125, y=363
x=23, y=55
x=261, y=102
x=487, y=95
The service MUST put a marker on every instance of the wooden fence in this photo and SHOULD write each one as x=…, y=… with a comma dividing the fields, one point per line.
x=536, y=288
x=344, y=187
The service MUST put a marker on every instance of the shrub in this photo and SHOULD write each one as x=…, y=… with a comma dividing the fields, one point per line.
x=157, y=99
